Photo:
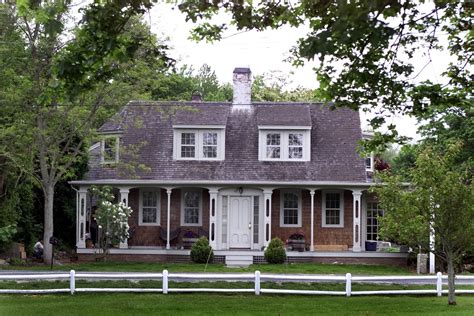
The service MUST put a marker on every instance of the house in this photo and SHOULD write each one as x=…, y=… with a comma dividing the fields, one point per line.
x=239, y=172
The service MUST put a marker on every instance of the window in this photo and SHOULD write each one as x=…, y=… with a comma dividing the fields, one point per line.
x=290, y=214
x=369, y=163
x=373, y=212
x=199, y=144
x=333, y=209
x=191, y=214
x=285, y=145
x=149, y=214
x=110, y=149
x=256, y=222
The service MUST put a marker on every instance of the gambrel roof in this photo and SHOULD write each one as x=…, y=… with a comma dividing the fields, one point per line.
x=149, y=125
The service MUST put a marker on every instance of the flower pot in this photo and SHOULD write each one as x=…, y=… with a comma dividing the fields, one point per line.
x=297, y=244
x=189, y=242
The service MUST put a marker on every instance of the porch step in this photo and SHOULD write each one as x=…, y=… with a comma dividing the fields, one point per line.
x=238, y=261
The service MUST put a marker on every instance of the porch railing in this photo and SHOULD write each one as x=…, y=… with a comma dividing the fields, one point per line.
x=256, y=278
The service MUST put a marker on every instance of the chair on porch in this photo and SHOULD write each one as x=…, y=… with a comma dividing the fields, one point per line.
x=174, y=234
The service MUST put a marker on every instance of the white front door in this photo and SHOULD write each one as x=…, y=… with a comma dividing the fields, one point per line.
x=240, y=228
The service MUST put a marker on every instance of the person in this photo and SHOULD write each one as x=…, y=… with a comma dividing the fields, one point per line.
x=38, y=249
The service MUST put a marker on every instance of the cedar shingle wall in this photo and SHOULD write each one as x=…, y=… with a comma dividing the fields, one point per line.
x=149, y=235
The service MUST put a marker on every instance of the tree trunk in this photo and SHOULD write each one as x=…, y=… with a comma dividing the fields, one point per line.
x=48, y=221
x=451, y=285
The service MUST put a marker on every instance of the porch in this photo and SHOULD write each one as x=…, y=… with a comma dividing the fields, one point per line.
x=334, y=220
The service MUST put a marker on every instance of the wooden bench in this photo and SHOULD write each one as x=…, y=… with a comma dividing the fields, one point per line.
x=331, y=247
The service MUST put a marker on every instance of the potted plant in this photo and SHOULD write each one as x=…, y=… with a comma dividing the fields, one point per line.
x=297, y=241
x=189, y=239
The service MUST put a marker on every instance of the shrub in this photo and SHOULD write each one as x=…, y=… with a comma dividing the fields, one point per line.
x=275, y=252
x=201, y=252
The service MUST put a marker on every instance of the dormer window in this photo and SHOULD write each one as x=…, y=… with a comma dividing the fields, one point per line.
x=110, y=149
x=284, y=145
x=199, y=144
x=369, y=163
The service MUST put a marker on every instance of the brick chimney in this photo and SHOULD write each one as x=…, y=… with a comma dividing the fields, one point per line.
x=242, y=100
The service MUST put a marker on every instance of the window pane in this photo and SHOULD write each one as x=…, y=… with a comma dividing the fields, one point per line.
x=373, y=212
x=332, y=200
x=191, y=207
x=255, y=219
x=149, y=215
x=209, y=138
x=191, y=199
x=110, y=148
x=368, y=163
x=187, y=151
x=210, y=151
x=290, y=217
x=295, y=152
x=273, y=152
x=273, y=139
x=290, y=209
x=295, y=139
x=187, y=139
x=332, y=217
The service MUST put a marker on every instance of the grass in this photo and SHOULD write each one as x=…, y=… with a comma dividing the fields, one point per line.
x=235, y=304
x=306, y=268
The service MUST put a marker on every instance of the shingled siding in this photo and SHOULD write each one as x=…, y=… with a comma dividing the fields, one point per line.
x=322, y=235
x=334, y=138
x=149, y=235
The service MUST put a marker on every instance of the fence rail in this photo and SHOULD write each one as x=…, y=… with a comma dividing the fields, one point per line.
x=257, y=278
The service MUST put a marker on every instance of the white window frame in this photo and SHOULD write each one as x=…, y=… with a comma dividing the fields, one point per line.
x=284, y=143
x=199, y=146
x=282, y=213
x=158, y=207
x=371, y=225
x=102, y=149
x=341, y=209
x=199, y=191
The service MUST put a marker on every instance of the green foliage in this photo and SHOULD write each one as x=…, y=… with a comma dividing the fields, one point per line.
x=440, y=195
x=365, y=51
x=275, y=252
x=201, y=252
x=112, y=218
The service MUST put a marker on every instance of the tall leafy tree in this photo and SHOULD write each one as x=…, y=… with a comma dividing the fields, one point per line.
x=365, y=51
x=55, y=63
x=440, y=197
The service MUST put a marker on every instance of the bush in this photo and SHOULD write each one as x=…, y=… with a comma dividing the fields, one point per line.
x=201, y=252
x=275, y=252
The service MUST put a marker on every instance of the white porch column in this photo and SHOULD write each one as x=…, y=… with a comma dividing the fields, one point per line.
x=81, y=218
x=124, y=199
x=267, y=216
x=212, y=217
x=168, y=217
x=311, y=193
x=356, y=231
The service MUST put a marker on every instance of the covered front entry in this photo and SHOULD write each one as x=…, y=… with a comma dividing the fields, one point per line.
x=240, y=222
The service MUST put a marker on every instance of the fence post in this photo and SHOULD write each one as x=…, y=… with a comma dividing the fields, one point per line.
x=165, y=281
x=257, y=282
x=72, y=281
x=348, y=284
x=439, y=284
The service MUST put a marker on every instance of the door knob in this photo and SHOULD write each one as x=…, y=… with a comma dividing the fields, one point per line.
x=250, y=225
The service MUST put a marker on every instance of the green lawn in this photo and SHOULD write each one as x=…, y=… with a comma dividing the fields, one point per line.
x=235, y=304
x=313, y=268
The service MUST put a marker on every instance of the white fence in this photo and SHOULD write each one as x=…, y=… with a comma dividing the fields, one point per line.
x=257, y=278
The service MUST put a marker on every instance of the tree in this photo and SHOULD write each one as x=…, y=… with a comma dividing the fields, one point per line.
x=441, y=196
x=365, y=50
x=51, y=111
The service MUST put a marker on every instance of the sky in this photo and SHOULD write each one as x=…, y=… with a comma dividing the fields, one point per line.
x=263, y=52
